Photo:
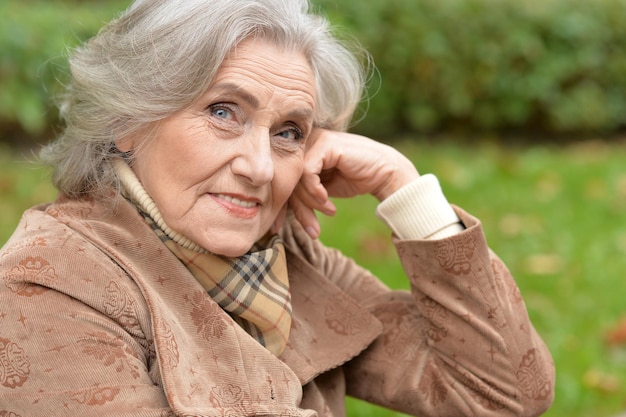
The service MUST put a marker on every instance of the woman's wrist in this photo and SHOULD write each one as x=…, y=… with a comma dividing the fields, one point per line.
x=419, y=210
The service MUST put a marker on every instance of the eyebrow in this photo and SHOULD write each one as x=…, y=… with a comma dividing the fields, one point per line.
x=232, y=87
x=253, y=101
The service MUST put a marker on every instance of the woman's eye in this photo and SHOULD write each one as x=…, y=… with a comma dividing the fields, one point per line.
x=222, y=112
x=291, y=133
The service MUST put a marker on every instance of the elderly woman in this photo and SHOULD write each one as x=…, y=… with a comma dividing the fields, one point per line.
x=178, y=272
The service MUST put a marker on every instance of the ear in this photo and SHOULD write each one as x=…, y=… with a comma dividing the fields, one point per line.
x=125, y=144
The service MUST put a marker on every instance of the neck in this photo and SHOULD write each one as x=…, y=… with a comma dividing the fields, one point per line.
x=134, y=190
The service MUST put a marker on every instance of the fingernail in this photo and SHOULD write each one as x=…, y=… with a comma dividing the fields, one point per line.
x=312, y=232
x=329, y=207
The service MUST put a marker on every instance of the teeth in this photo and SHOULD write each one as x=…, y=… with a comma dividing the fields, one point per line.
x=246, y=204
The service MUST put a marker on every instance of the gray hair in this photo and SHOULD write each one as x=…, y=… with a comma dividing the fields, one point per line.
x=160, y=56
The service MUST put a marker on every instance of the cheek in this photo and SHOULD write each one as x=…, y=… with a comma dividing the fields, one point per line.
x=223, y=129
x=286, y=178
x=188, y=154
x=163, y=176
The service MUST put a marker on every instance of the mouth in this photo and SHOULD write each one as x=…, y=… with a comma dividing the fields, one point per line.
x=236, y=201
x=240, y=207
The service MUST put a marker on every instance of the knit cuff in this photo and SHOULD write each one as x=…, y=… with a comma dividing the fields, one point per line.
x=419, y=210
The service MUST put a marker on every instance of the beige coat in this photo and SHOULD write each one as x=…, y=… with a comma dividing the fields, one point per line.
x=97, y=318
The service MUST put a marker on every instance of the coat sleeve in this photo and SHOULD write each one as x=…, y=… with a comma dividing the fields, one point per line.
x=71, y=343
x=459, y=343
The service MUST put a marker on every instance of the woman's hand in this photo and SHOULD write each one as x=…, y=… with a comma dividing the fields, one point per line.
x=338, y=164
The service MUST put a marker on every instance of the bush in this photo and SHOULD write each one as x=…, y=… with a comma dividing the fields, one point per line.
x=556, y=66
x=33, y=39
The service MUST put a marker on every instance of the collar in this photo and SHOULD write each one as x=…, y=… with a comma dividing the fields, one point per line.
x=134, y=190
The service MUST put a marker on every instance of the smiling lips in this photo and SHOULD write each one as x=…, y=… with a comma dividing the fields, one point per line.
x=245, y=209
x=240, y=208
x=236, y=201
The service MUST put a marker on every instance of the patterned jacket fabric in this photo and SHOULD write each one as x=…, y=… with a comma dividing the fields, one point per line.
x=98, y=318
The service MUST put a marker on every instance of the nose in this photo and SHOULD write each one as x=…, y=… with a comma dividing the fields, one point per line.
x=254, y=163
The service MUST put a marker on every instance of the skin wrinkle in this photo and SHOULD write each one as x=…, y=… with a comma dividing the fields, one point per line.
x=303, y=114
x=249, y=150
x=235, y=90
x=222, y=131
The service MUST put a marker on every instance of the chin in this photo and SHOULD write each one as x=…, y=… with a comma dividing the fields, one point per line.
x=232, y=245
x=232, y=254
x=229, y=251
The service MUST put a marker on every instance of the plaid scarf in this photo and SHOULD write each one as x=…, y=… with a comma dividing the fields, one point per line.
x=253, y=288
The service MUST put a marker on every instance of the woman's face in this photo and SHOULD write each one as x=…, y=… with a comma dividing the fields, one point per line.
x=221, y=170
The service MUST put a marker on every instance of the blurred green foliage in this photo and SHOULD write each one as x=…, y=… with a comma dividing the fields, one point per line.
x=34, y=39
x=545, y=66
x=555, y=66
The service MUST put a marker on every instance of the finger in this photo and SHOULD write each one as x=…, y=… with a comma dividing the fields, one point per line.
x=318, y=201
x=319, y=163
x=306, y=216
x=311, y=188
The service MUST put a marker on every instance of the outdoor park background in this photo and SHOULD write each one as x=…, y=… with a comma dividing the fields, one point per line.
x=518, y=107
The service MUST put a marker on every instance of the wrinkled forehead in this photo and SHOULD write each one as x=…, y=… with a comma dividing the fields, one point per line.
x=265, y=67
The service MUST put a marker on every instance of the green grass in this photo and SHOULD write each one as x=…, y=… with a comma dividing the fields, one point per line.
x=22, y=184
x=556, y=215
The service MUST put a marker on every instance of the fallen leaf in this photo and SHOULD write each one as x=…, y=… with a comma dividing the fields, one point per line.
x=600, y=381
x=544, y=264
x=616, y=335
x=511, y=225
